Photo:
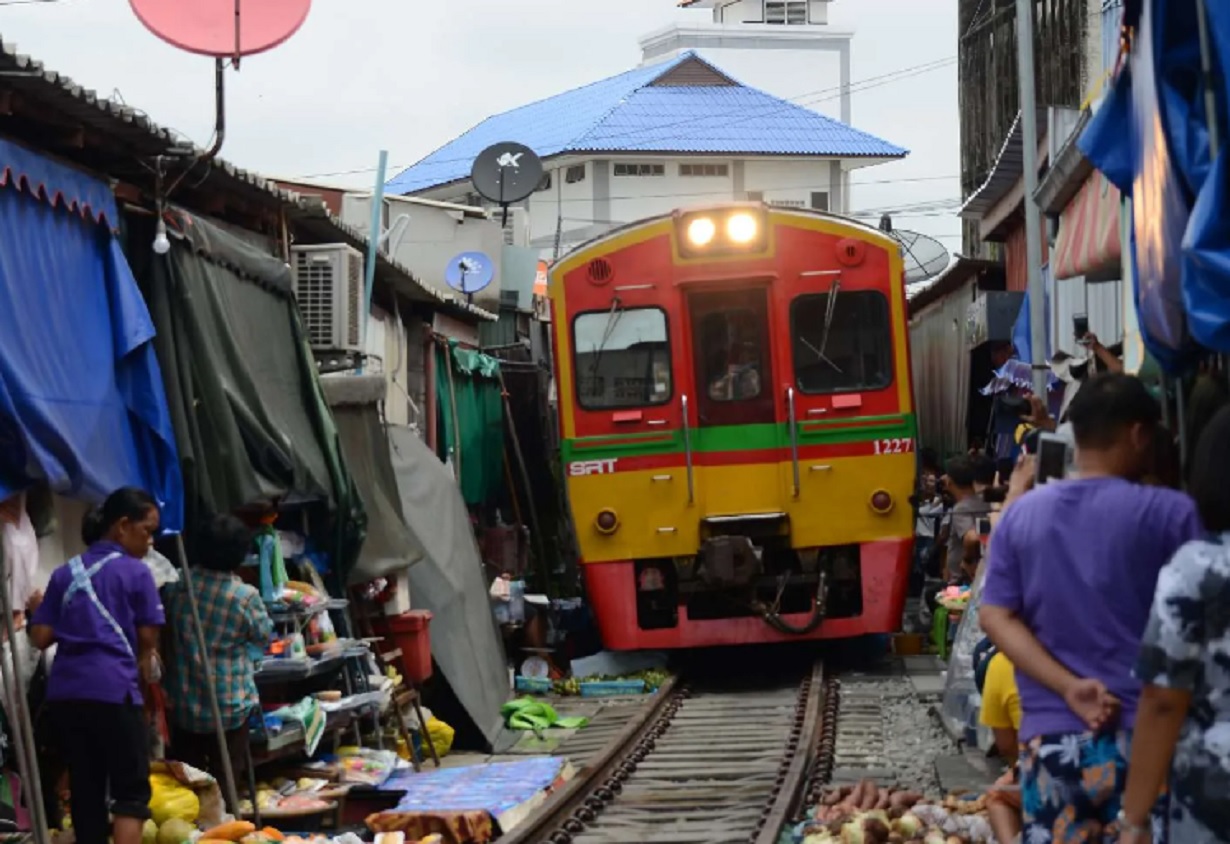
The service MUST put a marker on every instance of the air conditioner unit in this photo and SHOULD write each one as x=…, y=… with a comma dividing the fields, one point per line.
x=328, y=283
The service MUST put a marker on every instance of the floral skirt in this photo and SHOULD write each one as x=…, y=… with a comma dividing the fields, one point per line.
x=1072, y=788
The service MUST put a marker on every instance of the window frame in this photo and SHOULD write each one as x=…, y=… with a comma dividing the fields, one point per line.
x=644, y=170
x=786, y=6
x=576, y=369
x=688, y=170
x=827, y=201
x=575, y=174
x=883, y=300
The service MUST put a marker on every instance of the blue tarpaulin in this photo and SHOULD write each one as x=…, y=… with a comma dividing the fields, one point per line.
x=1151, y=139
x=1022, y=333
x=81, y=394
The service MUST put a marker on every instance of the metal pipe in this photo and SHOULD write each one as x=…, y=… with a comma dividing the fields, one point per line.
x=23, y=729
x=373, y=244
x=1033, y=219
x=794, y=439
x=687, y=449
x=228, y=772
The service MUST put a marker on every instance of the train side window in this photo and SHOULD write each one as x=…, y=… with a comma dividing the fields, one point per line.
x=856, y=354
x=622, y=358
x=730, y=347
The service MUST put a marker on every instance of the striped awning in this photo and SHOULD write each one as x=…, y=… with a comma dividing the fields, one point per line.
x=1089, y=242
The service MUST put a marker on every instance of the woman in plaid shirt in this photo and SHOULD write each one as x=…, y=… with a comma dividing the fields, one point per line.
x=236, y=630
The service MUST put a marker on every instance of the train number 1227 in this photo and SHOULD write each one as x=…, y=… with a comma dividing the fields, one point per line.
x=895, y=446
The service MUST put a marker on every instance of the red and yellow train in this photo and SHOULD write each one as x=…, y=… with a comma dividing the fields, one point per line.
x=737, y=426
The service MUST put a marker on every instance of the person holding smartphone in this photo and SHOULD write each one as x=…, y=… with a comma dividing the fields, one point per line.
x=1070, y=578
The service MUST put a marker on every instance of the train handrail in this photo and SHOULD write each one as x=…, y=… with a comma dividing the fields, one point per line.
x=794, y=437
x=687, y=447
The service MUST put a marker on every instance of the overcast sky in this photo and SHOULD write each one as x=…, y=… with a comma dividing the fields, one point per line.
x=409, y=75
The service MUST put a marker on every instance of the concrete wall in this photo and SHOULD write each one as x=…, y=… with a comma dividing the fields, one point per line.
x=433, y=238
x=604, y=200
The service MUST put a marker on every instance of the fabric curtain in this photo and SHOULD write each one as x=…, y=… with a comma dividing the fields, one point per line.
x=243, y=388
x=390, y=546
x=82, y=403
x=472, y=412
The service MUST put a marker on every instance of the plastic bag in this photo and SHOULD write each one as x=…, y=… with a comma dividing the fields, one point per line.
x=441, y=736
x=169, y=799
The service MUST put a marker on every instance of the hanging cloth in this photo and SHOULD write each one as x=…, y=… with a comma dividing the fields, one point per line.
x=83, y=582
x=20, y=551
x=273, y=567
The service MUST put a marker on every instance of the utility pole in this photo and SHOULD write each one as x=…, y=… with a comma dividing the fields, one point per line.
x=1033, y=220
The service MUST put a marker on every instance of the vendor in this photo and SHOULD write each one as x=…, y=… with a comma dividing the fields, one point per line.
x=102, y=610
x=237, y=628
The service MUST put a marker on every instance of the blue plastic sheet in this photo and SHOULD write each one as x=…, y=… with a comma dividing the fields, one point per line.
x=81, y=394
x=1151, y=139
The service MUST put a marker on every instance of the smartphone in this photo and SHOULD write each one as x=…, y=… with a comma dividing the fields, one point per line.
x=984, y=527
x=1080, y=326
x=1052, y=454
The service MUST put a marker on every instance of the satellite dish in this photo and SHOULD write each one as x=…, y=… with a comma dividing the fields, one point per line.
x=225, y=28
x=469, y=273
x=506, y=173
x=924, y=257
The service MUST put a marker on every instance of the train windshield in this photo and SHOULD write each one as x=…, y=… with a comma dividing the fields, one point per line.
x=842, y=341
x=622, y=358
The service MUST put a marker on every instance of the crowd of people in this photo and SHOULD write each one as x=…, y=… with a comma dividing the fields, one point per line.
x=1106, y=604
x=104, y=613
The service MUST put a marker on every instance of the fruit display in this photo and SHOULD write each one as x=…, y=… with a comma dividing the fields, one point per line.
x=571, y=686
x=868, y=814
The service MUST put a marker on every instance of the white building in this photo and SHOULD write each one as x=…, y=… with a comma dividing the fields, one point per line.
x=674, y=133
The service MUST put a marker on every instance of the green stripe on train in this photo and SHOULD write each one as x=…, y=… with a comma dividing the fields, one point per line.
x=740, y=438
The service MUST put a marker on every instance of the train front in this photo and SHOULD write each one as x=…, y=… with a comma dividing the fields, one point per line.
x=737, y=427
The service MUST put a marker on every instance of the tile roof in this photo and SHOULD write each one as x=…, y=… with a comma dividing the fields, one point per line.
x=629, y=113
x=140, y=137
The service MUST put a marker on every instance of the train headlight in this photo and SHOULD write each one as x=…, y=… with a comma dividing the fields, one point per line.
x=881, y=502
x=701, y=231
x=742, y=228
x=607, y=522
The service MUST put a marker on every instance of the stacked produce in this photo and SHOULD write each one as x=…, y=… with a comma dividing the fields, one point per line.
x=868, y=814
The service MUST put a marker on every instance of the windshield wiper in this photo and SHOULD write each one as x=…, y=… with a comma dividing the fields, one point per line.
x=612, y=320
x=830, y=309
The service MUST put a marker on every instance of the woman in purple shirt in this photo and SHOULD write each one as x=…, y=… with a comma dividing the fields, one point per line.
x=103, y=612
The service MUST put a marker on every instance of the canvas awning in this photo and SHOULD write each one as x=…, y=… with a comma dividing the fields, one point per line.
x=81, y=396
x=450, y=582
x=390, y=547
x=1088, y=244
x=250, y=416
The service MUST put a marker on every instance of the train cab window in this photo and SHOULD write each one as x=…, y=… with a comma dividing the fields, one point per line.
x=843, y=348
x=730, y=348
x=623, y=358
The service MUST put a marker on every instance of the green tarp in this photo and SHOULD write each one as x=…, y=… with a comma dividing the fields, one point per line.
x=472, y=416
x=245, y=398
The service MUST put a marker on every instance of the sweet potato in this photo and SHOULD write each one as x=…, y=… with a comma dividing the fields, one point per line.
x=870, y=794
x=904, y=800
x=882, y=799
x=855, y=797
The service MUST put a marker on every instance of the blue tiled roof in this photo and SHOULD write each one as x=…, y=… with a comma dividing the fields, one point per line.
x=626, y=113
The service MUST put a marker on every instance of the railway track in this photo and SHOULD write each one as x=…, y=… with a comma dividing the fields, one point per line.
x=702, y=765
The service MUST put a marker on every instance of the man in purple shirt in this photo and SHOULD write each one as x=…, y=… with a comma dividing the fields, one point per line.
x=1069, y=584
x=103, y=612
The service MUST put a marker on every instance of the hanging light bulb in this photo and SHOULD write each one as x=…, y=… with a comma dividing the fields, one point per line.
x=161, y=244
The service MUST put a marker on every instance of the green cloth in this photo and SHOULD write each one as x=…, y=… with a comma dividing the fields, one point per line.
x=528, y=713
x=939, y=632
x=474, y=436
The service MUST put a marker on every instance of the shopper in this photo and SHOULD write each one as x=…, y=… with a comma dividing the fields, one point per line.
x=236, y=628
x=1069, y=583
x=1183, y=725
x=102, y=611
x=963, y=543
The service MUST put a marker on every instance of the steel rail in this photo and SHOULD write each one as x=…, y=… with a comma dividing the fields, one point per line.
x=563, y=805
x=696, y=766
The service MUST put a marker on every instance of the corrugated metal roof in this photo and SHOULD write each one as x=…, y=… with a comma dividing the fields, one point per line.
x=629, y=114
x=142, y=138
x=1009, y=167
